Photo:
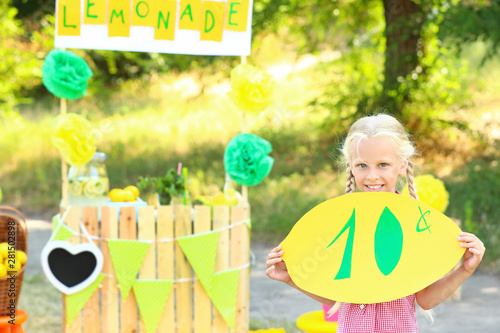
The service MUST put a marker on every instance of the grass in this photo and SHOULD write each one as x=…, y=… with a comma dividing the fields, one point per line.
x=188, y=118
x=43, y=303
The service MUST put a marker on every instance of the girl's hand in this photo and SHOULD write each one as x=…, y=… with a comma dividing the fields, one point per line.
x=276, y=267
x=474, y=251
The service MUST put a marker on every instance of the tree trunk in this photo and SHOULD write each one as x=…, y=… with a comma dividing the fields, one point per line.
x=404, y=20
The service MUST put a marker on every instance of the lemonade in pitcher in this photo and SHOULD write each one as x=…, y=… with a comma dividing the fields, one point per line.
x=89, y=184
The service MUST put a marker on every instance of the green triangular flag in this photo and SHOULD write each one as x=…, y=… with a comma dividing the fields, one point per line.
x=75, y=302
x=200, y=250
x=249, y=224
x=62, y=233
x=127, y=256
x=151, y=297
x=224, y=294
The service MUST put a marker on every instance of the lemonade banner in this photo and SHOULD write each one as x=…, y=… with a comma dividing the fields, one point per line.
x=201, y=250
x=127, y=256
x=59, y=230
x=220, y=27
x=224, y=293
x=151, y=297
x=76, y=302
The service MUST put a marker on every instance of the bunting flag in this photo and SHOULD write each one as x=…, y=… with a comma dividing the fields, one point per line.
x=75, y=302
x=151, y=297
x=224, y=294
x=127, y=256
x=200, y=250
x=249, y=224
x=62, y=232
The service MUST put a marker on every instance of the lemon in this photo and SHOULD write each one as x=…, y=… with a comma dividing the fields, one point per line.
x=3, y=271
x=21, y=256
x=99, y=187
x=75, y=188
x=116, y=195
x=4, y=250
x=13, y=265
x=134, y=190
x=91, y=188
x=128, y=196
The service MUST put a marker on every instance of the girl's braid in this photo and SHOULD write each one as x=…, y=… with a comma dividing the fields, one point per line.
x=411, y=183
x=350, y=185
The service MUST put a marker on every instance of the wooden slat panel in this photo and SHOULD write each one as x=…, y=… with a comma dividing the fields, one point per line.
x=183, y=270
x=240, y=256
x=221, y=220
x=202, y=303
x=110, y=296
x=128, y=315
x=166, y=264
x=146, y=226
x=72, y=220
x=91, y=310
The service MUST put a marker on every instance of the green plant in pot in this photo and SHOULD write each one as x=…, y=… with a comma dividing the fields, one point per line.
x=167, y=187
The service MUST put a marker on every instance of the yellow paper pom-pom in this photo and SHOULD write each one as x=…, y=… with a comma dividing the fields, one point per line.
x=431, y=191
x=74, y=139
x=251, y=88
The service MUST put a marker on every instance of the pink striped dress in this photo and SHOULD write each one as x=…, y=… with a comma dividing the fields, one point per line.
x=396, y=316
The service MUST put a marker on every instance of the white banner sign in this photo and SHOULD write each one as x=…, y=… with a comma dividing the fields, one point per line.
x=166, y=26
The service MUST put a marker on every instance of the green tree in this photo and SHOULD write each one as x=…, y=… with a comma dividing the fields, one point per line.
x=18, y=68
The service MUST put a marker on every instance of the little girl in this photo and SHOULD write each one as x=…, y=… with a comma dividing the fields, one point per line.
x=377, y=152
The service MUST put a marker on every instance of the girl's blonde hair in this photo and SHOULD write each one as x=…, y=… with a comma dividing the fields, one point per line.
x=372, y=127
x=377, y=126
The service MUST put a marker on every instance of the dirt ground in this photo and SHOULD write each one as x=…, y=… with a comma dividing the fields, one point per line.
x=478, y=311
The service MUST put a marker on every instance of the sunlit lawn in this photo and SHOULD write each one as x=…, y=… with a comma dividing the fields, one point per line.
x=147, y=128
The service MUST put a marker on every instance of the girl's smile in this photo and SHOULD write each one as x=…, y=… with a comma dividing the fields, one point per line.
x=375, y=165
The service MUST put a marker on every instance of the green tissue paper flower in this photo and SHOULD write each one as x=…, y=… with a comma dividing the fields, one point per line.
x=246, y=160
x=65, y=74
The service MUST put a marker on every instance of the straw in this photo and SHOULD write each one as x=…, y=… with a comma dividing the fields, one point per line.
x=179, y=167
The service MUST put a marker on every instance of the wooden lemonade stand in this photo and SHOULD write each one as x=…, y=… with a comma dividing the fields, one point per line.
x=189, y=308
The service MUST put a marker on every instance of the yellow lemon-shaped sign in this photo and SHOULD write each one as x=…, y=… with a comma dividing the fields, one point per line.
x=370, y=248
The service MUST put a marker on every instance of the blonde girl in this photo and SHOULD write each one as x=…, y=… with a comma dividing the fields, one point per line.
x=377, y=155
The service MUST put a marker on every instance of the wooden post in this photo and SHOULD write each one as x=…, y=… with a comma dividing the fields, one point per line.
x=202, y=303
x=183, y=271
x=128, y=306
x=64, y=167
x=147, y=232
x=221, y=220
x=166, y=264
x=110, y=295
x=72, y=220
x=240, y=256
x=91, y=310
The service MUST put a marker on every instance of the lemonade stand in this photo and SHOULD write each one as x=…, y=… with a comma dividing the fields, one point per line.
x=123, y=265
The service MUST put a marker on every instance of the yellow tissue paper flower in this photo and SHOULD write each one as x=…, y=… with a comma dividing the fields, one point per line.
x=251, y=88
x=73, y=138
x=431, y=191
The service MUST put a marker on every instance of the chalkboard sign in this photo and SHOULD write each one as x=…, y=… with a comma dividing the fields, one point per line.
x=71, y=268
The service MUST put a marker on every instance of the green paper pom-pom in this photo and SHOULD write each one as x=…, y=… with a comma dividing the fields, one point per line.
x=65, y=74
x=246, y=160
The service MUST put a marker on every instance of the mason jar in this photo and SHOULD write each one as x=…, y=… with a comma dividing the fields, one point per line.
x=89, y=181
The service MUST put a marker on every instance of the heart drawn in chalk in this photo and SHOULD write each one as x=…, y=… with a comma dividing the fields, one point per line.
x=71, y=268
